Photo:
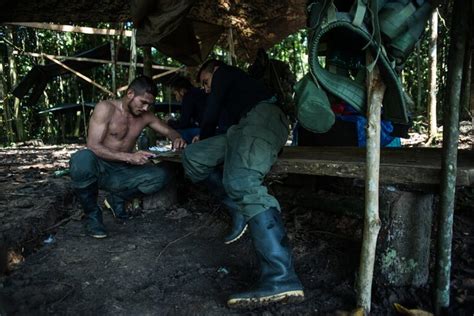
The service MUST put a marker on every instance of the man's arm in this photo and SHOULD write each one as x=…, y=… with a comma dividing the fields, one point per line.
x=159, y=126
x=98, y=128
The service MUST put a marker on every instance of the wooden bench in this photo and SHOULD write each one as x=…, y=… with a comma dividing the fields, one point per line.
x=403, y=250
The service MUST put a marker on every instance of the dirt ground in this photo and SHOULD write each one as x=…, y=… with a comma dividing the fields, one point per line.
x=172, y=261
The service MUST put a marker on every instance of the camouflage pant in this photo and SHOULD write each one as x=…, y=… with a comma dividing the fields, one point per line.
x=247, y=152
x=87, y=168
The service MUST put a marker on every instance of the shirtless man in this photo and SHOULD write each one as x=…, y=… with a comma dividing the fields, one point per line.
x=110, y=162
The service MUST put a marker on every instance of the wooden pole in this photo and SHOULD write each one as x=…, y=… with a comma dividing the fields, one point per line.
x=17, y=114
x=375, y=93
x=418, y=76
x=91, y=60
x=74, y=29
x=155, y=77
x=77, y=73
x=458, y=34
x=5, y=102
x=147, y=61
x=432, y=120
x=113, y=56
x=230, y=39
x=133, y=57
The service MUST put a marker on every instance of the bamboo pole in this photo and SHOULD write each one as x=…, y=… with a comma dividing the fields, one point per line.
x=113, y=56
x=133, y=57
x=375, y=93
x=230, y=40
x=432, y=120
x=91, y=60
x=17, y=114
x=147, y=61
x=6, y=108
x=77, y=73
x=122, y=88
x=74, y=29
x=461, y=9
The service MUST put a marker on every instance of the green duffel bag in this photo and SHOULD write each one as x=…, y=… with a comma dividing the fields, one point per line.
x=312, y=106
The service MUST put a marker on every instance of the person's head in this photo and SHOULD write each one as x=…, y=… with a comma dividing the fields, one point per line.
x=180, y=86
x=206, y=72
x=141, y=93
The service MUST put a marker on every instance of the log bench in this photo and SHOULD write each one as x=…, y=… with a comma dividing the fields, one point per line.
x=403, y=250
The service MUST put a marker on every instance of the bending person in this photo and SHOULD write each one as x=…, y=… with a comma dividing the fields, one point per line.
x=247, y=151
x=109, y=161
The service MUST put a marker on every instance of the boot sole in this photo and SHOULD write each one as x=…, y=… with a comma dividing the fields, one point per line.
x=282, y=298
x=98, y=236
x=238, y=237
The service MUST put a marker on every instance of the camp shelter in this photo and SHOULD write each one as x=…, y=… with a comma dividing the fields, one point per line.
x=190, y=23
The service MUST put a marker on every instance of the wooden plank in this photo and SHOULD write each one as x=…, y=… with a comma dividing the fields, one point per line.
x=74, y=29
x=397, y=165
x=91, y=60
x=84, y=77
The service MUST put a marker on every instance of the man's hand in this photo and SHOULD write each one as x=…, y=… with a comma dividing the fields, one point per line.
x=196, y=139
x=139, y=157
x=179, y=143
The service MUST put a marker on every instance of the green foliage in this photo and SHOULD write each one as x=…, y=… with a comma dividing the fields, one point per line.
x=70, y=89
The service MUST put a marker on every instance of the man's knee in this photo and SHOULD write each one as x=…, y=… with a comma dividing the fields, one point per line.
x=193, y=169
x=159, y=177
x=83, y=166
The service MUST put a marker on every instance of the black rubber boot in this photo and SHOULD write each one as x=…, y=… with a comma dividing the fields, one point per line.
x=239, y=224
x=116, y=203
x=94, y=225
x=278, y=281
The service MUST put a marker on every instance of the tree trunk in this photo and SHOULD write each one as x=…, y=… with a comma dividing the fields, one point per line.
x=147, y=71
x=457, y=49
x=418, y=77
x=133, y=57
x=375, y=93
x=6, y=108
x=113, y=54
x=147, y=61
x=433, y=128
x=17, y=115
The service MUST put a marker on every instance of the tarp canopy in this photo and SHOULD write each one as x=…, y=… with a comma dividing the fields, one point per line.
x=187, y=30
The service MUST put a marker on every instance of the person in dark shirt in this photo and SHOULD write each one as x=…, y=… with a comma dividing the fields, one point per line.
x=193, y=103
x=246, y=152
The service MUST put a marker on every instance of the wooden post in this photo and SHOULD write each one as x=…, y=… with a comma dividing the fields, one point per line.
x=133, y=57
x=230, y=40
x=147, y=61
x=17, y=115
x=461, y=10
x=5, y=104
x=375, y=93
x=113, y=69
x=147, y=71
x=418, y=76
x=432, y=120
x=77, y=73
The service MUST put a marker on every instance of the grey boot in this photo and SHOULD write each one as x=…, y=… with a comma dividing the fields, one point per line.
x=94, y=225
x=278, y=281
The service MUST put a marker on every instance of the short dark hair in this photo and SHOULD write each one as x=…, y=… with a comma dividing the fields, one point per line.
x=181, y=82
x=209, y=66
x=143, y=84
